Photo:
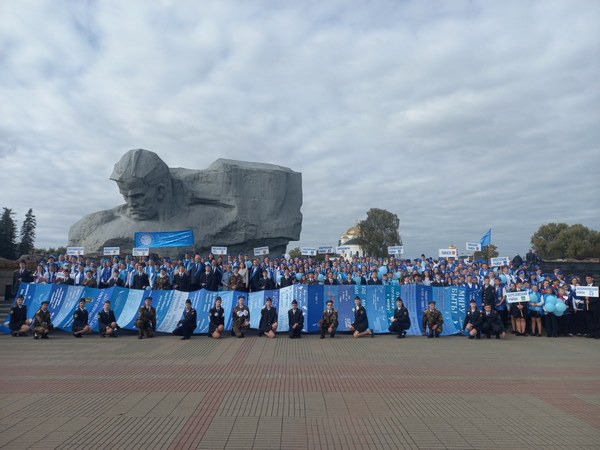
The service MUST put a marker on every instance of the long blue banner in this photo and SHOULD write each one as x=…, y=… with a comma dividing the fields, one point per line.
x=163, y=239
x=379, y=302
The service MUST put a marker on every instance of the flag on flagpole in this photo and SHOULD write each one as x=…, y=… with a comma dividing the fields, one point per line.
x=486, y=238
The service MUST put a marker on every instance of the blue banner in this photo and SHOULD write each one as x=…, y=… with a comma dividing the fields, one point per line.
x=163, y=239
x=379, y=301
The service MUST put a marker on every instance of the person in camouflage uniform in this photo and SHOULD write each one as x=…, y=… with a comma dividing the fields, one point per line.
x=241, y=317
x=329, y=321
x=146, y=321
x=42, y=325
x=162, y=282
x=236, y=281
x=432, y=321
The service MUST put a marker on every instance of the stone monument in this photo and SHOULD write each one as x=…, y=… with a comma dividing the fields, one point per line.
x=237, y=204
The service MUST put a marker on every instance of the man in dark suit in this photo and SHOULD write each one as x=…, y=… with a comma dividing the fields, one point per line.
x=488, y=293
x=331, y=280
x=22, y=275
x=181, y=280
x=196, y=271
x=254, y=275
x=374, y=279
x=265, y=283
x=115, y=280
x=215, y=277
x=140, y=279
x=286, y=279
x=295, y=320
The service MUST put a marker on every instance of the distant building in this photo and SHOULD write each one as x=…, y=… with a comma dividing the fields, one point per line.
x=350, y=239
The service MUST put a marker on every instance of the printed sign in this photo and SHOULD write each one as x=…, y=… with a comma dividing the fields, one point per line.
x=140, y=251
x=516, y=297
x=308, y=251
x=500, y=261
x=112, y=251
x=343, y=249
x=448, y=253
x=260, y=251
x=396, y=250
x=473, y=247
x=325, y=249
x=218, y=250
x=586, y=291
x=76, y=251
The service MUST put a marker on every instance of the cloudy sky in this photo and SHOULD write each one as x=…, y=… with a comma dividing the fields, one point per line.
x=457, y=116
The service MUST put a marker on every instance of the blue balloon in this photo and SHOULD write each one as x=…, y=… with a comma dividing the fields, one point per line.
x=558, y=313
x=551, y=299
x=248, y=264
x=397, y=275
x=560, y=307
x=321, y=277
x=357, y=280
x=503, y=278
x=343, y=275
x=495, y=270
x=298, y=276
x=533, y=297
x=278, y=278
x=382, y=270
x=549, y=307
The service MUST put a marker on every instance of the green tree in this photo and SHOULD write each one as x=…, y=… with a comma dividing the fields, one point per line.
x=378, y=231
x=295, y=252
x=562, y=241
x=8, y=235
x=489, y=252
x=27, y=243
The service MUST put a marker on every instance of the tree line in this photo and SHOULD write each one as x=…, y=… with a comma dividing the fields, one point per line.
x=9, y=247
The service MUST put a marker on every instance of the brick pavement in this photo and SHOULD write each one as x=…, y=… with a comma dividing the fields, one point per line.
x=340, y=393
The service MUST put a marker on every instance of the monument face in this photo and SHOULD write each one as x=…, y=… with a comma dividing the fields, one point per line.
x=237, y=204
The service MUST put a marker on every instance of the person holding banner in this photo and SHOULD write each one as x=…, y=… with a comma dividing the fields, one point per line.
x=536, y=311
x=217, y=320
x=241, y=317
x=401, y=320
x=491, y=323
x=107, y=323
x=329, y=320
x=268, y=320
x=295, y=321
x=19, y=323
x=591, y=307
x=432, y=320
x=188, y=323
x=360, y=326
x=80, y=320
x=518, y=312
x=472, y=322
x=146, y=320
x=42, y=325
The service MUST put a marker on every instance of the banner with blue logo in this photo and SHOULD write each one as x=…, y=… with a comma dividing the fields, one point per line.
x=379, y=301
x=163, y=239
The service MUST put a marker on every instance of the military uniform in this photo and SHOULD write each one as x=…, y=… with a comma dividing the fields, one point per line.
x=236, y=283
x=473, y=318
x=361, y=322
x=187, y=324
x=328, y=320
x=90, y=282
x=42, y=324
x=105, y=319
x=162, y=283
x=241, y=320
x=491, y=323
x=268, y=316
x=146, y=321
x=217, y=317
x=431, y=318
x=18, y=318
x=402, y=322
x=80, y=319
x=296, y=317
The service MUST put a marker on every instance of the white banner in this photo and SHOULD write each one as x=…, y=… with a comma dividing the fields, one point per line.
x=140, y=251
x=448, y=253
x=308, y=251
x=500, y=261
x=473, y=247
x=516, y=297
x=76, y=251
x=218, y=250
x=343, y=249
x=325, y=249
x=260, y=251
x=586, y=291
x=112, y=251
x=396, y=250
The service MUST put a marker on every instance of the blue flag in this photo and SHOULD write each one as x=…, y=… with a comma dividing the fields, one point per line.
x=486, y=238
x=164, y=239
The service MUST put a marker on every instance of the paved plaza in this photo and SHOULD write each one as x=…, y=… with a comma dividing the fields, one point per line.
x=342, y=393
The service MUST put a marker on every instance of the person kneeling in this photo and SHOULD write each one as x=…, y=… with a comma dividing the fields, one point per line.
x=107, y=323
x=295, y=320
x=432, y=320
x=217, y=320
x=360, y=326
x=80, y=320
x=329, y=320
x=268, y=320
x=19, y=323
x=401, y=319
x=146, y=321
x=491, y=323
x=42, y=325
x=472, y=321
x=188, y=323
x=241, y=318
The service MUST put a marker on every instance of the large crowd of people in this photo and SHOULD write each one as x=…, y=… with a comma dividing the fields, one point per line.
x=553, y=305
